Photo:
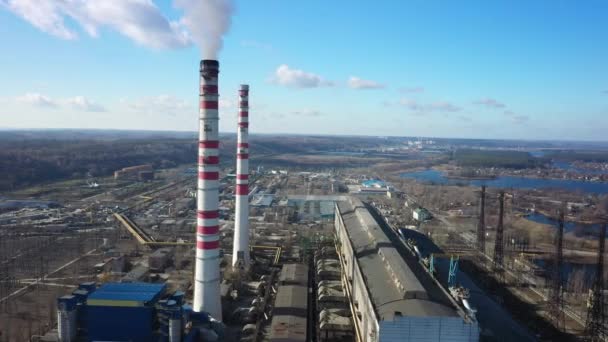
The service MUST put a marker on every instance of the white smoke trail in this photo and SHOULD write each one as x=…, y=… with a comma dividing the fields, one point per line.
x=207, y=21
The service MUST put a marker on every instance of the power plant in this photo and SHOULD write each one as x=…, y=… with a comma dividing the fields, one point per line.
x=289, y=254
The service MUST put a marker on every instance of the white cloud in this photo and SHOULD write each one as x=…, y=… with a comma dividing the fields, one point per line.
x=358, y=83
x=36, y=99
x=488, y=102
x=139, y=20
x=161, y=104
x=46, y=15
x=82, y=103
x=286, y=76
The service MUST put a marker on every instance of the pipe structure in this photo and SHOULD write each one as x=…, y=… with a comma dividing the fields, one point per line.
x=207, y=267
x=240, y=252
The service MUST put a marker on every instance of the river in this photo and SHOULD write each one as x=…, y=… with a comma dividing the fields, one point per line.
x=578, y=229
x=437, y=177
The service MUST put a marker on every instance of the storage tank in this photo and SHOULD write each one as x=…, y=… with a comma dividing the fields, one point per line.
x=175, y=326
x=66, y=318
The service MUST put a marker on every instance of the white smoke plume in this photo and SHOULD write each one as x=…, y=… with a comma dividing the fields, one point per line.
x=207, y=21
x=203, y=22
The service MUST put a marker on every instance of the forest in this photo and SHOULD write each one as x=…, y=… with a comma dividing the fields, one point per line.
x=495, y=158
x=29, y=162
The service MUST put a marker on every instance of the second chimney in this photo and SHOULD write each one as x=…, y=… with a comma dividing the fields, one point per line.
x=240, y=252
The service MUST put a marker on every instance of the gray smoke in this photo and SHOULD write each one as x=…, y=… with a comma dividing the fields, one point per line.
x=207, y=21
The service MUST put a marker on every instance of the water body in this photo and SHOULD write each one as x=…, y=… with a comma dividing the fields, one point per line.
x=569, y=227
x=587, y=271
x=569, y=167
x=437, y=177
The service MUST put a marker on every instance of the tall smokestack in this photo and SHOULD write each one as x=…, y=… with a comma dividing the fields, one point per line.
x=240, y=252
x=207, y=268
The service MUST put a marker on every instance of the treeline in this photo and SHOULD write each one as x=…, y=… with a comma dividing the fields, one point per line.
x=495, y=158
x=38, y=156
x=584, y=156
x=30, y=162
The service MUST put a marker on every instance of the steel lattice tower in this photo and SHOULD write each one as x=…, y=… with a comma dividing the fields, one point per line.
x=556, y=294
x=481, y=225
x=498, y=260
x=594, y=327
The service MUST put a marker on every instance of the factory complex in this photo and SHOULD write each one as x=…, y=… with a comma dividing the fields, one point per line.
x=293, y=258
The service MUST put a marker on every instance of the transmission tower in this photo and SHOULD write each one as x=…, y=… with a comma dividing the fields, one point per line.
x=481, y=225
x=594, y=327
x=498, y=260
x=556, y=294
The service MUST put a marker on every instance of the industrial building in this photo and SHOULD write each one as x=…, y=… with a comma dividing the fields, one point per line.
x=289, y=322
x=421, y=214
x=137, y=312
x=141, y=172
x=392, y=298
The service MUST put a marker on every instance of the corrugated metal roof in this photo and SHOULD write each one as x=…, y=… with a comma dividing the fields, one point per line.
x=395, y=284
x=135, y=292
x=294, y=274
x=289, y=314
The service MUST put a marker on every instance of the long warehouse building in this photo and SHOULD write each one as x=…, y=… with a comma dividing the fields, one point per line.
x=392, y=297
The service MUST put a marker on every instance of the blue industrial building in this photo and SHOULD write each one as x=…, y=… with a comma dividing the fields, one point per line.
x=130, y=312
x=115, y=309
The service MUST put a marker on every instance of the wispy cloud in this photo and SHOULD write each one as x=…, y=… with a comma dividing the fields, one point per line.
x=411, y=104
x=605, y=92
x=508, y=113
x=80, y=103
x=409, y=90
x=307, y=112
x=161, y=104
x=84, y=104
x=140, y=20
x=421, y=108
x=296, y=78
x=489, y=102
x=444, y=106
x=520, y=119
x=272, y=116
x=358, y=83
x=36, y=99
x=465, y=118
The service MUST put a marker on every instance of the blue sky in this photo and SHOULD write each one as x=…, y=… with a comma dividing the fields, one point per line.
x=479, y=69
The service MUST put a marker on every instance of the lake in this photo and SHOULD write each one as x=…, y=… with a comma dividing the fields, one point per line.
x=437, y=177
x=577, y=229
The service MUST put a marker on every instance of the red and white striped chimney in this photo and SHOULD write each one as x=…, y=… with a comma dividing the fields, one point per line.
x=240, y=252
x=207, y=267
